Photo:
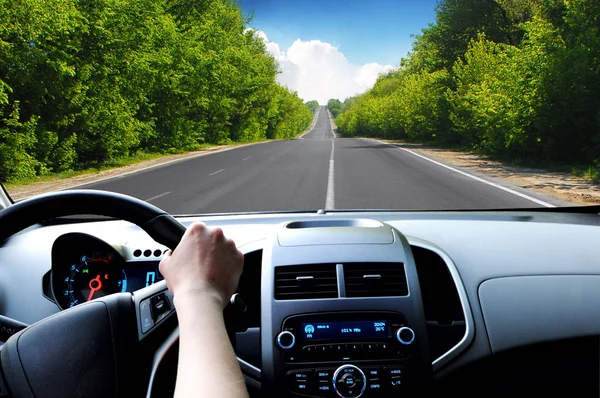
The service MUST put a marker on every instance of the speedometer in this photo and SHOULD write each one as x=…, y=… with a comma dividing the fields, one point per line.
x=85, y=268
x=95, y=275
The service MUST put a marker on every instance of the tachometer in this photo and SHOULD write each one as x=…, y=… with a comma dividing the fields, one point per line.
x=93, y=276
x=85, y=268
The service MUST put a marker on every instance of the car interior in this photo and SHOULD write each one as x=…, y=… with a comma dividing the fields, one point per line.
x=330, y=303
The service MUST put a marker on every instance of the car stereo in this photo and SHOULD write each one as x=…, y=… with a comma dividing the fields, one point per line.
x=347, y=353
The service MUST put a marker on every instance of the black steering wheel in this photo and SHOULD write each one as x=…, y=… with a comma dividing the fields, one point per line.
x=103, y=348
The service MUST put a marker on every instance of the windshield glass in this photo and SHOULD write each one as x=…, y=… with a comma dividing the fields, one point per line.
x=261, y=105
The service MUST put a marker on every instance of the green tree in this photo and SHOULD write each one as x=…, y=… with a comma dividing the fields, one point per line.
x=313, y=106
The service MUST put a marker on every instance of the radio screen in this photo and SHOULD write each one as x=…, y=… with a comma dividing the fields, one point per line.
x=345, y=330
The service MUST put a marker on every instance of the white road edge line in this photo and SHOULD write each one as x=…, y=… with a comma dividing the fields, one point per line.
x=512, y=191
x=330, y=196
x=243, y=160
x=158, y=196
x=216, y=172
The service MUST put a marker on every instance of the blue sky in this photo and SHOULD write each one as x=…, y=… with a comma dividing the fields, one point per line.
x=363, y=30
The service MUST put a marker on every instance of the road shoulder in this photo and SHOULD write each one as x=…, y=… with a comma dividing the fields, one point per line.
x=20, y=192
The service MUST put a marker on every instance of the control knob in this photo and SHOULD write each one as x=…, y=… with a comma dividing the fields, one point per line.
x=349, y=381
x=405, y=335
x=285, y=340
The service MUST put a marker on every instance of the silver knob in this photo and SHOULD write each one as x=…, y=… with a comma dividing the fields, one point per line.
x=349, y=381
x=405, y=335
x=286, y=340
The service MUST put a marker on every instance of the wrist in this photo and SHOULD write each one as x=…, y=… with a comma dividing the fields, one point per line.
x=204, y=299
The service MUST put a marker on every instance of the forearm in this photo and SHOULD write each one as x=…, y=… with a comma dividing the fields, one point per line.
x=207, y=362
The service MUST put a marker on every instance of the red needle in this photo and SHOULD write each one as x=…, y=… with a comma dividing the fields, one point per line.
x=94, y=288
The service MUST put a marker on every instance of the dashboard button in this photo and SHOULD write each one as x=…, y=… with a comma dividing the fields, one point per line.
x=324, y=374
x=308, y=350
x=374, y=385
x=338, y=348
x=322, y=349
x=301, y=387
x=395, y=384
x=324, y=387
x=300, y=381
x=299, y=375
x=368, y=347
x=394, y=372
x=372, y=373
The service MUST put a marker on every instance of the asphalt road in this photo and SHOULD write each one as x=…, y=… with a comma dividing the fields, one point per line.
x=317, y=171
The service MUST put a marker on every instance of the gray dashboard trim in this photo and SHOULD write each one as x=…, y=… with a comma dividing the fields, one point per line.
x=522, y=310
x=464, y=302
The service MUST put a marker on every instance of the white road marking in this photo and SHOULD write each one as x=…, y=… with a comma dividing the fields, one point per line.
x=216, y=172
x=330, y=196
x=512, y=191
x=158, y=196
x=243, y=160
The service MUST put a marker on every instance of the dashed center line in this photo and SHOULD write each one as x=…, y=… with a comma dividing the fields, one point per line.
x=247, y=158
x=158, y=196
x=216, y=172
x=330, y=195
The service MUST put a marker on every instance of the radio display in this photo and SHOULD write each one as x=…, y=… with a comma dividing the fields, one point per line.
x=345, y=330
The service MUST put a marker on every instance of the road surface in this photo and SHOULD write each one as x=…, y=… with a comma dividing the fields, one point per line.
x=318, y=171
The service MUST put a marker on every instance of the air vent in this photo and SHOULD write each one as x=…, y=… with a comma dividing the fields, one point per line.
x=306, y=282
x=375, y=279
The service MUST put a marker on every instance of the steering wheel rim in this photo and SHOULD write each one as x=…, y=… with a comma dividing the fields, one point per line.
x=157, y=223
x=33, y=360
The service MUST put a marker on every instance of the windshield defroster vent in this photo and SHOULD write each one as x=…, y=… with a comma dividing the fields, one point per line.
x=306, y=282
x=375, y=279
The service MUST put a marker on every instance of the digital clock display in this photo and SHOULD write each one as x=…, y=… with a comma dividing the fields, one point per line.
x=345, y=330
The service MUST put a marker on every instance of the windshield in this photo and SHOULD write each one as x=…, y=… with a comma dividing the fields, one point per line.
x=234, y=106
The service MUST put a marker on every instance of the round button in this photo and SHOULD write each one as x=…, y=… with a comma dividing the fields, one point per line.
x=285, y=340
x=349, y=381
x=405, y=335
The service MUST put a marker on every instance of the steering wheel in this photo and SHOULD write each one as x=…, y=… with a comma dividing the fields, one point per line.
x=100, y=348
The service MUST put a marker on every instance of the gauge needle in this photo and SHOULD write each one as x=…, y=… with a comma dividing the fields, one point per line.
x=94, y=286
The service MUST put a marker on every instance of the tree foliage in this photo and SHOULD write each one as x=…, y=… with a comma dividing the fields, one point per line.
x=313, y=105
x=86, y=82
x=510, y=78
x=334, y=106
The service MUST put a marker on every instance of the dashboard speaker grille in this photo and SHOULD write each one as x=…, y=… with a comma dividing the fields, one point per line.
x=310, y=281
x=375, y=279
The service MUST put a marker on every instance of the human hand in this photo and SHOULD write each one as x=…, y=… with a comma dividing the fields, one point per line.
x=205, y=263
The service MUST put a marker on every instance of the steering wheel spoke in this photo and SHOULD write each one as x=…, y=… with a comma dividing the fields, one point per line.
x=107, y=347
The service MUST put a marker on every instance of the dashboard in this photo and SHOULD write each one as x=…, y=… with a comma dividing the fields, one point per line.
x=361, y=304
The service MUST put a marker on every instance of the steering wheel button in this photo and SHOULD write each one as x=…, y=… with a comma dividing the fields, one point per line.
x=159, y=305
x=146, y=320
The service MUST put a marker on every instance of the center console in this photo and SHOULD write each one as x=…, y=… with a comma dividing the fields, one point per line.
x=341, y=312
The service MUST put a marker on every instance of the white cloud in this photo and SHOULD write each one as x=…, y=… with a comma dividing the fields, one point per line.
x=318, y=70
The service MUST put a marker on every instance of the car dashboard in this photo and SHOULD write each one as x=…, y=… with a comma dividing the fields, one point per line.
x=361, y=304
